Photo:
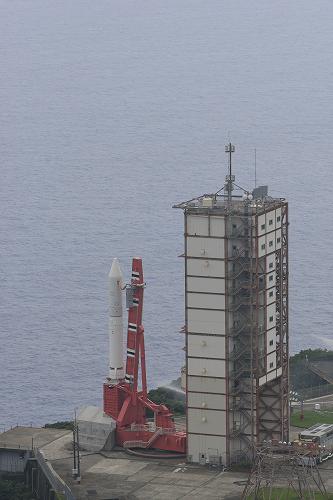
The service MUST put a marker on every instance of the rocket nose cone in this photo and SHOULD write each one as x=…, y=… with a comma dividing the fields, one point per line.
x=115, y=271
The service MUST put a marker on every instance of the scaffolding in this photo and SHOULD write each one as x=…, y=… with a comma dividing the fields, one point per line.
x=256, y=412
x=281, y=470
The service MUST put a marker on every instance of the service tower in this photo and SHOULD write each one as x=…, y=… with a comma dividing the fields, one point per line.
x=236, y=322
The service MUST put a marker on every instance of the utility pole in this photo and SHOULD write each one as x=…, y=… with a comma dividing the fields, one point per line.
x=76, y=451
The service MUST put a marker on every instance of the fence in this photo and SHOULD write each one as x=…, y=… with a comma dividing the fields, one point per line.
x=54, y=479
x=315, y=392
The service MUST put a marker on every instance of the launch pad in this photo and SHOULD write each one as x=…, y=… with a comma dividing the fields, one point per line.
x=124, y=401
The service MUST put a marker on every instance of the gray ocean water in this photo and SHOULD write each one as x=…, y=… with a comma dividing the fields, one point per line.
x=110, y=112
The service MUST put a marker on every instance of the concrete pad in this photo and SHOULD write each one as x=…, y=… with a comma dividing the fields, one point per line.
x=203, y=494
x=161, y=492
x=59, y=448
x=25, y=437
x=121, y=467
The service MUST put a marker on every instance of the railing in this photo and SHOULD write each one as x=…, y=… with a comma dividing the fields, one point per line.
x=147, y=444
x=54, y=479
x=150, y=427
x=314, y=392
x=14, y=446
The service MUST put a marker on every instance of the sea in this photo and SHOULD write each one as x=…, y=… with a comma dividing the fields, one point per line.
x=112, y=111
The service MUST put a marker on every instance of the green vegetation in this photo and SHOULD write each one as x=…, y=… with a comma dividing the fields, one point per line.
x=12, y=490
x=282, y=494
x=173, y=399
x=311, y=418
x=59, y=496
x=67, y=424
x=302, y=379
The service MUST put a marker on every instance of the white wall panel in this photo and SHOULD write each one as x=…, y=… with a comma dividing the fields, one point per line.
x=271, y=360
x=205, y=301
x=206, y=401
x=271, y=341
x=201, y=321
x=278, y=239
x=261, y=224
x=197, y=225
x=270, y=316
x=206, y=384
x=262, y=246
x=278, y=215
x=270, y=295
x=271, y=375
x=200, y=267
x=206, y=367
x=205, y=247
x=270, y=279
x=270, y=242
x=217, y=226
x=270, y=263
x=206, y=421
x=208, y=285
x=205, y=347
x=270, y=220
x=199, y=445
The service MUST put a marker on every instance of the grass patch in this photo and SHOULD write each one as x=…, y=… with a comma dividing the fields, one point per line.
x=311, y=418
x=12, y=490
x=282, y=494
x=67, y=424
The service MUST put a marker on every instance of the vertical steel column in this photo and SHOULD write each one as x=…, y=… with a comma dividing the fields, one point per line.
x=227, y=333
x=186, y=326
x=284, y=325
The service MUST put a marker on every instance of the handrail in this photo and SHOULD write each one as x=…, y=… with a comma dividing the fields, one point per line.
x=55, y=480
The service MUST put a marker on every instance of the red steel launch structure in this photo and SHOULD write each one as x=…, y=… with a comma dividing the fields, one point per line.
x=124, y=401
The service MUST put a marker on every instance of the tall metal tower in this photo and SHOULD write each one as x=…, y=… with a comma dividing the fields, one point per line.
x=282, y=470
x=236, y=322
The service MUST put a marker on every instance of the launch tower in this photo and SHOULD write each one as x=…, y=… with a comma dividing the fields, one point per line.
x=236, y=322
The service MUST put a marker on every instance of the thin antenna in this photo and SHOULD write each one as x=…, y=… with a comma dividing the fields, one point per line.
x=230, y=148
x=255, y=167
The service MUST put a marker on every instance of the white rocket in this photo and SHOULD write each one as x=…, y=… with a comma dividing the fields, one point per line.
x=116, y=323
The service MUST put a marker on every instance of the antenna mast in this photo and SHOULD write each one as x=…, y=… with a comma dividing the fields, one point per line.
x=230, y=148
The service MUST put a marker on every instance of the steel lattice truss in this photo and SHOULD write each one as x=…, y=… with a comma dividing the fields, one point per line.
x=290, y=467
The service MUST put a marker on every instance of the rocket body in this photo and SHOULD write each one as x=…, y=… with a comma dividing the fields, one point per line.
x=116, y=361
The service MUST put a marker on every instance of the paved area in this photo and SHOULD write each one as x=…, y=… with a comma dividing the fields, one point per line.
x=117, y=475
x=28, y=437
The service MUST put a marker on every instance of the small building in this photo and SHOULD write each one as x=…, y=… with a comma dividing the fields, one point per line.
x=96, y=430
